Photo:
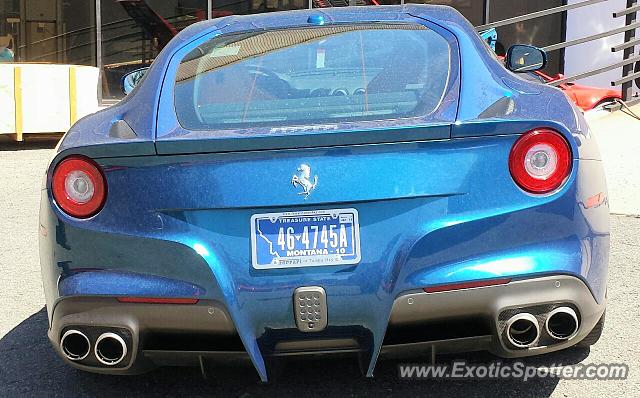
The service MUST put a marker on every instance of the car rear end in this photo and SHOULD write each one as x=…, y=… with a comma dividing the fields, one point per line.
x=315, y=190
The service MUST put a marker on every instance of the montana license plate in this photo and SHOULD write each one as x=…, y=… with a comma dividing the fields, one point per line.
x=305, y=238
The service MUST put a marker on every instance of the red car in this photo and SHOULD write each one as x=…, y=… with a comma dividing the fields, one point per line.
x=586, y=97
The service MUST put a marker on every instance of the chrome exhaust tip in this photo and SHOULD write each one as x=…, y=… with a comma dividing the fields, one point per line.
x=110, y=349
x=562, y=323
x=75, y=345
x=522, y=330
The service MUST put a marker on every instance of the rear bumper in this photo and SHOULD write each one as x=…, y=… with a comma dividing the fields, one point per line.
x=451, y=321
x=496, y=304
x=456, y=233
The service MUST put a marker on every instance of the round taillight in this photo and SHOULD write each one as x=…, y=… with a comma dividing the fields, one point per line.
x=78, y=186
x=540, y=161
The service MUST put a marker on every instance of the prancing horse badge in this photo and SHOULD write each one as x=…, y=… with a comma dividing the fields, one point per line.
x=303, y=179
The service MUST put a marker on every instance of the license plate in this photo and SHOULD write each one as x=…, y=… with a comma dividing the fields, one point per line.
x=305, y=238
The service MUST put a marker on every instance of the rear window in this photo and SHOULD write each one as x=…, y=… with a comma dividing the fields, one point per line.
x=315, y=75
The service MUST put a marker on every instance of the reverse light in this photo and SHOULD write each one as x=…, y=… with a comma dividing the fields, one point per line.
x=78, y=186
x=540, y=161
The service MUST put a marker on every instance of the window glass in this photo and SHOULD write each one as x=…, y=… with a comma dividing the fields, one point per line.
x=48, y=31
x=135, y=31
x=312, y=75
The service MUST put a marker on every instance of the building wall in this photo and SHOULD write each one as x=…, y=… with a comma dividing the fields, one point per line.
x=134, y=31
x=586, y=21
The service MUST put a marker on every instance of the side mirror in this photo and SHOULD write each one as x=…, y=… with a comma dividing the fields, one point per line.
x=522, y=58
x=131, y=79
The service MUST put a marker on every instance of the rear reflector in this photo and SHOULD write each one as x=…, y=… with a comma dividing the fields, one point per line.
x=157, y=300
x=466, y=285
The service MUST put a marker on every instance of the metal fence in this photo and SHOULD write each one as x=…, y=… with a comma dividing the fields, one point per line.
x=630, y=61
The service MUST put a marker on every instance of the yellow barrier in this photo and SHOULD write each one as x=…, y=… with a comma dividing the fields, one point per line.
x=73, y=100
x=17, y=97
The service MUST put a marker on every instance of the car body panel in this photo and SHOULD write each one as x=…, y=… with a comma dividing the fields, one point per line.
x=436, y=202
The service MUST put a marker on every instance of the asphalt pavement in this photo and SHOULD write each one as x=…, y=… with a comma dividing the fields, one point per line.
x=30, y=367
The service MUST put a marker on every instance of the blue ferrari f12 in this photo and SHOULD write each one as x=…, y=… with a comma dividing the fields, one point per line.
x=366, y=181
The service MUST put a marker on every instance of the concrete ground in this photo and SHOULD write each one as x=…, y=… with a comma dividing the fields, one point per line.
x=29, y=367
x=618, y=136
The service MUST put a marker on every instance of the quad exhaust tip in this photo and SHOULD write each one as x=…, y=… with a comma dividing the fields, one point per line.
x=562, y=323
x=522, y=330
x=110, y=349
x=75, y=345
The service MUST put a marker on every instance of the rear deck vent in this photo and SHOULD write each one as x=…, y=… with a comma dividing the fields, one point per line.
x=121, y=129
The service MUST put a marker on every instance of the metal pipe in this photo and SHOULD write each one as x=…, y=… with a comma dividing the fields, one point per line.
x=75, y=345
x=627, y=28
x=562, y=323
x=594, y=72
x=628, y=44
x=537, y=14
x=99, y=49
x=110, y=349
x=522, y=330
x=626, y=11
